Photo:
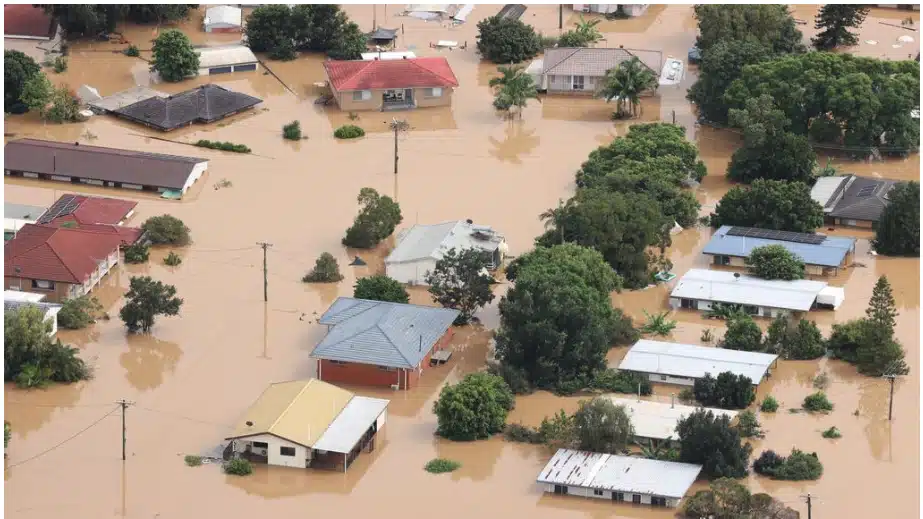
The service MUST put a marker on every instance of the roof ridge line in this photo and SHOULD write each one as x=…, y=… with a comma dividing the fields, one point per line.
x=290, y=404
x=57, y=255
x=359, y=70
x=401, y=353
x=558, y=64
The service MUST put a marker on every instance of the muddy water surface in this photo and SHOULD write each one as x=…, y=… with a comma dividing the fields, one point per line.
x=194, y=375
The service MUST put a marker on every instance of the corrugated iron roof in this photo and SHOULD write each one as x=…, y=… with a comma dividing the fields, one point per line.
x=432, y=241
x=729, y=287
x=826, y=189
x=223, y=14
x=352, y=422
x=387, y=74
x=829, y=253
x=657, y=420
x=687, y=360
x=225, y=55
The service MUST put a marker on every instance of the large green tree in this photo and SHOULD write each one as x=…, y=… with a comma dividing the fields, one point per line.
x=770, y=204
x=145, y=300
x=801, y=341
x=728, y=391
x=460, y=281
x=18, y=69
x=775, y=262
x=882, y=310
x=728, y=499
x=601, y=426
x=280, y=30
x=381, y=288
x=505, y=40
x=720, y=66
x=31, y=358
x=834, y=21
x=166, y=230
x=625, y=84
x=897, y=233
x=770, y=25
x=37, y=93
x=742, y=334
x=711, y=441
x=174, y=57
x=473, y=409
x=377, y=218
x=270, y=27
x=92, y=19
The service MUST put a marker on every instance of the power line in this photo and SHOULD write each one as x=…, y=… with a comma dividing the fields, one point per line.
x=59, y=406
x=46, y=451
x=265, y=246
x=182, y=417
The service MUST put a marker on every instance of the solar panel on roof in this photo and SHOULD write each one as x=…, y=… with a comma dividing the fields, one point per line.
x=63, y=206
x=769, y=234
x=866, y=191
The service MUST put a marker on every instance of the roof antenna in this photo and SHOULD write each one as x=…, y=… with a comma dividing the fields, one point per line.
x=421, y=344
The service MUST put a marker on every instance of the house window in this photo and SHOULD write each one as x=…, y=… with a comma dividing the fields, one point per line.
x=287, y=451
x=386, y=368
x=636, y=499
x=578, y=82
x=434, y=92
x=658, y=501
x=597, y=492
x=687, y=303
x=560, y=489
x=41, y=284
x=663, y=377
x=337, y=362
x=722, y=260
x=618, y=496
x=362, y=95
x=260, y=445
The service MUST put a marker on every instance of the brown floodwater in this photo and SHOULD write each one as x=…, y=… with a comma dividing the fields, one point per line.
x=194, y=375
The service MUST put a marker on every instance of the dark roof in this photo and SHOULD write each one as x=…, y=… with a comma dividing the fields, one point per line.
x=88, y=210
x=57, y=253
x=381, y=333
x=864, y=199
x=204, y=104
x=27, y=20
x=383, y=34
x=98, y=163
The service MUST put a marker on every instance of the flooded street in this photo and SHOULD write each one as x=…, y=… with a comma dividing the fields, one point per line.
x=191, y=379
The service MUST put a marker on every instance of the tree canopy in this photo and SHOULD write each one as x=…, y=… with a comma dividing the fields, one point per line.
x=775, y=262
x=174, y=57
x=280, y=30
x=18, y=69
x=583, y=34
x=460, y=281
x=728, y=391
x=720, y=66
x=145, y=300
x=505, y=40
x=898, y=231
x=801, y=341
x=602, y=426
x=834, y=21
x=770, y=204
x=769, y=25
x=31, y=357
x=625, y=83
x=381, y=288
x=711, y=441
x=799, y=466
x=728, y=499
x=166, y=230
x=474, y=408
x=513, y=88
x=92, y=19
x=377, y=218
x=743, y=334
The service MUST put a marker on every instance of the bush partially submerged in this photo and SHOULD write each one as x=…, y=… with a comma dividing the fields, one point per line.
x=136, y=253
x=292, y=131
x=326, y=270
x=132, y=51
x=348, y=131
x=769, y=405
x=238, y=467
x=798, y=466
x=223, y=146
x=172, y=259
x=832, y=433
x=166, y=230
x=615, y=381
x=441, y=466
x=78, y=312
x=193, y=461
x=817, y=402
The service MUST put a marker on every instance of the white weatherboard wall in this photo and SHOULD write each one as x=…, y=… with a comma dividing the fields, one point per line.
x=607, y=495
x=668, y=379
x=411, y=272
x=273, y=454
x=382, y=418
x=762, y=311
x=196, y=174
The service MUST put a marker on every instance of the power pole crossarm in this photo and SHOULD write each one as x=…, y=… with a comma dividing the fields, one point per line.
x=808, y=501
x=265, y=246
x=124, y=405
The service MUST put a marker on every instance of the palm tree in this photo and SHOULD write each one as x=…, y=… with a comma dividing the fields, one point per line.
x=625, y=83
x=554, y=218
x=508, y=74
x=513, y=88
x=588, y=30
x=658, y=450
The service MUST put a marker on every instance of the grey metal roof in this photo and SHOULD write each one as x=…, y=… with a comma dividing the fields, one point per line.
x=581, y=61
x=657, y=420
x=46, y=308
x=432, y=241
x=729, y=287
x=629, y=474
x=22, y=212
x=687, y=360
x=864, y=199
x=383, y=34
x=352, y=422
x=381, y=333
x=206, y=103
x=827, y=189
x=830, y=253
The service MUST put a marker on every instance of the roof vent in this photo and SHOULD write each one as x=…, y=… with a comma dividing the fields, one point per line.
x=469, y=221
x=249, y=423
x=76, y=144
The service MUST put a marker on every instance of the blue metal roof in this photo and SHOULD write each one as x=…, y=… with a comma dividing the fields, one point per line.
x=381, y=333
x=830, y=253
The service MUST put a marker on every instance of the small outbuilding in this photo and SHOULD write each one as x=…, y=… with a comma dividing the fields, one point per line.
x=683, y=364
x=822, y=255
x=225, y=59
x=15, y=216
x=658, y=420
x=620, y=479
x=223, y=18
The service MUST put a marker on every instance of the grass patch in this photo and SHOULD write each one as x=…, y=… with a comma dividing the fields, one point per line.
x=349, y=131
x=223, y=146
x=441, y=466
x=238, y=467
x=832, y=432
x=769, y=405
x=193, y=461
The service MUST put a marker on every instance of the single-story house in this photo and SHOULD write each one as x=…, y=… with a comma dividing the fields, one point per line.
x=822, y=255
x=682, y=364
x=108, y=104
x=59, y=262
x=419, y=247
x=576, y=70
x=223, y=18
x=29, y=29
x=657, y=420
x=93, y=213
x=852, y=201
x=389, y=55
x=698, y=289
x=391, y=84
x=94, y=165
x=379, y=343
x=203, y=104
x=308, y=423
x=628, y=9
x=226, y=59
x=14, y=300
x=631, y=479
x=17, y=215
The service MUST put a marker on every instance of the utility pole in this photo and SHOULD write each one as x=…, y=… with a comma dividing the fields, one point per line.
x=265, y=246
x=124, y=405
x=560, y=16
x=397, y=126
x=808, y=500
x=891, y=398
x=374, y=17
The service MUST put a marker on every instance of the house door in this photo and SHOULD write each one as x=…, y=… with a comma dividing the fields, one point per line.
x=560, y=489
x=408, y=95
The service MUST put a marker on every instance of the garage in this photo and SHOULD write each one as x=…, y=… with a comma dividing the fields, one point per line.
x=225, y=59
x=245, y=68
x=220, y=70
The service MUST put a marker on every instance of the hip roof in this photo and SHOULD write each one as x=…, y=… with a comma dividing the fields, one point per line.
x=57, y=254
x=829, y=253
x=388, y=74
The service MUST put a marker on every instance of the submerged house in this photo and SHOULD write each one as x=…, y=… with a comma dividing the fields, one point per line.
x=576, y=70
x=308, y=423
x=204, y=104
x=95, y=213
x=15, y=216
x=683, y=364
x=225, y=59
x=852, y=201
x=621, y=479
x=628, y=9
x=223, y=18
x=398, y=84
x=822, y=255
x=421, y=246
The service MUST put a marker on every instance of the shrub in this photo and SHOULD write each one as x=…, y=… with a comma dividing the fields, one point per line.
x=132, y=51
x=728, y=391
x=514, y=377
x=381, y=288
x=238, y=467
x=798, y=466
x=224, y=146
x=742, y=334
x=292, y=131
x=172, y=259
x=832, y=433
x=441, y=466
x=505, y=40
x=708, y=336
x=817, y=402
x=193, y=461
x=166, y=230
x=7, y=433
x=748, y=425
x=473, y=409
x=78, y=312
x=687, y=396
x=547, y=41
x=326, y=270
x=349, y=131
x=769, y=405
x=615, y=381
x=767, y=463
x=601, y=426
x=658, y=324
x=136, y=253
x=60, y=64
x=821, y=381
x=775, y=262
x=517, y=432
x=377, y=218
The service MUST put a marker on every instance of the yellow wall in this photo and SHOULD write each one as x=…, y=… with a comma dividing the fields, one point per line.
x=346, y=102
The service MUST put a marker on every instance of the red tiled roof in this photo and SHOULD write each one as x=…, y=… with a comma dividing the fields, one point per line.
x=128, y=235
x=26, y=20
x=385, y=74
x=57, y=253
x=90, y=209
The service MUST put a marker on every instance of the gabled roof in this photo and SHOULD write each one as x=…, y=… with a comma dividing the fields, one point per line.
x=57, y=254
x=84, y=209
x=225, y=55
x=582, y=61
x=432, y=241
x=688, y=360
x=27, y=20
x=223, y=14
x=386, y=74
x=826, y=190
x=204, y=104
x=829, y=253
x=864, y=199
x=381, y=333
x=730, y=287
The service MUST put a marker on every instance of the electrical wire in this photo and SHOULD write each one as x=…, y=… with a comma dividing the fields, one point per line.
x=30, y=404
x=46, y=451
x=181, y=417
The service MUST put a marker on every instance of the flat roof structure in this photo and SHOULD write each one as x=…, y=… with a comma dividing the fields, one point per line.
x=731, y=287
x=433, y=241
x=657, y=420
x=687, y=360
x=813, y=249
x=119, y=100
x=352, y=422
x=22, y=212
x=630, y=474
x=204, y=104
x=225, y=55
x=826, y=190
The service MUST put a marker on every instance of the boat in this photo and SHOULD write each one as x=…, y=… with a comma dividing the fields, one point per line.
x=673, y=72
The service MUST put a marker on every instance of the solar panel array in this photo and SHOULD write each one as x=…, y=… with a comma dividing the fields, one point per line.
x=768, y=234
x=866, y=191
x=65, y=205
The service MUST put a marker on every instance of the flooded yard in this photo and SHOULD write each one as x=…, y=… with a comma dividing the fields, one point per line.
x=195, y=374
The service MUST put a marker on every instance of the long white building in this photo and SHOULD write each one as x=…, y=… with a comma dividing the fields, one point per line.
x=682, y=364
x=658, y=420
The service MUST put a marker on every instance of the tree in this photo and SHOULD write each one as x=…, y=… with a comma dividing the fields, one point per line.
x=37, y=92
x=349, y=44
x=583, y=34
x=882, y=310
x=145, y=300
x=318, y=26
x=166, y=230
x=802, y=342
x=728, y=499
x=7, y=433
x=742, y=334
x=748, y=426
x=846, y=337
x=18, y=69
x=377, y=218
x=64, y=106
x=770, y=25
x=473, y=409
x=879, y=355
x=269, y=27
x=720, y=66
x=817, y=402
x=770, y=204
x=174, y=57
x=625, y=83
x=137, y=253
x=711, y=441
x=280, y=30
x=768, y=462
x=31, y=358
x=292, y=131
x=381, y=288
x=92, y=19
x=728, y=391
x=798, y=466
x=505, y=40
x=898, y=231
x=834, y=21
x=460, y=281
x=602, y=426
x=326, y=270
x=78, y=312
x=775, y=262
x=513, y=88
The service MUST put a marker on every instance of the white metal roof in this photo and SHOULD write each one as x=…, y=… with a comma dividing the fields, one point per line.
x=686, y=360
x=833, y=296
x=729, y=287
x=24, y=297
x=385, y=56
x=658, y=420
x=432, y=241
x=630, y=474
x=223, y=14
x=225, y=55
x=352, y=422
x=824, y=188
